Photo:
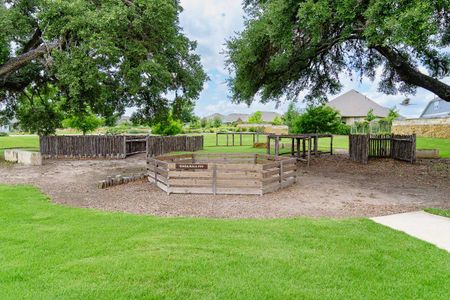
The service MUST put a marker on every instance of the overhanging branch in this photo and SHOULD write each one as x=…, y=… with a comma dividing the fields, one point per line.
x=22, y=60
x=411, y=75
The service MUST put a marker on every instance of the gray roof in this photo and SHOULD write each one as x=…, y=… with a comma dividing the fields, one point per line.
x=355, y=104
x=267, y=116
x=436, y=108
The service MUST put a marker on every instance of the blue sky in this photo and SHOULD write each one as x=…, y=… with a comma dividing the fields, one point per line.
x=211, y=22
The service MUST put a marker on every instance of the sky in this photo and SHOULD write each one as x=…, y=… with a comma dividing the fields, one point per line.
x=212, y=22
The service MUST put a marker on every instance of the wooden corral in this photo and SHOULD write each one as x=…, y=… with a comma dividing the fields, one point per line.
x=115, y=146
x=399, y=147
x=244, y=174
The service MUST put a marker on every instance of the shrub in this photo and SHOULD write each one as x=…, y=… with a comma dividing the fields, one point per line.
x=343, y=129
x=170, y=127
x=113, y=131
x=317, y=119
x=3, y=134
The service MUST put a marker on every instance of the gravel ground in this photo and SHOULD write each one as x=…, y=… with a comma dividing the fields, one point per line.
x=331, y=187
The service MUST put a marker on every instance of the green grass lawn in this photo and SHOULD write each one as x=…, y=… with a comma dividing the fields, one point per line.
x=439, y=212
x=27, y=142
x=49, y=251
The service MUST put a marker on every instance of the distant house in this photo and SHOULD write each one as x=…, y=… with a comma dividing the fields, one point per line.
x=436, y=108
x=8, y=127
x=267, y=117
x=354, y=106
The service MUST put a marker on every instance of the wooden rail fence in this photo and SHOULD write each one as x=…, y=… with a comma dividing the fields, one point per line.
x=115, y=146
x=231, y=173
x=400, y=147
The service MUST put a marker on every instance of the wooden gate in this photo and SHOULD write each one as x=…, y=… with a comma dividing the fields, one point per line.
x=400, y=147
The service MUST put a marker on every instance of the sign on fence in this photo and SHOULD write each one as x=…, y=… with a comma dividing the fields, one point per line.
x=191, y=166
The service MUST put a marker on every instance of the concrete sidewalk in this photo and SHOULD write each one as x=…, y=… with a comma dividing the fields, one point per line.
x=428, y=227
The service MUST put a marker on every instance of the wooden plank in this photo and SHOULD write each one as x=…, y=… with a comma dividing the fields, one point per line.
x=239, y=174
x=272, y=165
x=238, y=191
x=237, y=183
x=190, y=190
x=191, y=182
x=239, y=167
x=190, y=174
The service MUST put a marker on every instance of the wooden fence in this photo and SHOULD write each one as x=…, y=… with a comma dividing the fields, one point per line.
x=159, y=145
x=115, y=146
x=400, y=147
x=219, y=173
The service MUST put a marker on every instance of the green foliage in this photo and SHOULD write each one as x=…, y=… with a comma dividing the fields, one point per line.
x=370, y=116
x=106, y=55
x=277, y=121
x=290, y=116
x=288, y=47
x=86, y=122
x=38, y=110
x=169, y=127
x=256, y=118
x=2, y=134
x=216, y=122
x=342, y=129
x=318, y=119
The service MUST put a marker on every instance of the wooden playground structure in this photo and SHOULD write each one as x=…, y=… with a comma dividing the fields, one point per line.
x=255, y=137
x=303, y=146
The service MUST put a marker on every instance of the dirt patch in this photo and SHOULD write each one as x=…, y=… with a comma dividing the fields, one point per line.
x=332, y=186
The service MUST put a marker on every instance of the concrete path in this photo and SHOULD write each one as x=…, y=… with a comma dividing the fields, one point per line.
x=428, y=227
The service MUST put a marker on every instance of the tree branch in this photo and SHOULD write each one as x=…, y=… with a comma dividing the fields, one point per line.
x=411, y=75
x=22, y=60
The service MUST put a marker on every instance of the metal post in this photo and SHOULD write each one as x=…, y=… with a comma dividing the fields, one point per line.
x=268, y=145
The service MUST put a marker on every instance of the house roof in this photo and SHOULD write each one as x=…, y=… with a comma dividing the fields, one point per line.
x=267, y=116
x=436, y=108
x=355, y=104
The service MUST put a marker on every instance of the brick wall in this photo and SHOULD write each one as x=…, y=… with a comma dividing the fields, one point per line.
x=438, y=128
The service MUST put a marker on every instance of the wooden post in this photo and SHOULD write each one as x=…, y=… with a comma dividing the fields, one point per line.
x=227, y=139
x=298, y=148
x=240, y=138
x=277, y=146
x=331, y=145
x=217, y=139
x=304, y=147
x=281, y=173
x=124, y=146
x=292, y=146
x=309, y=149
x=316, y=139
x=257, y=137
x=253, y=137
x=214, y=183
x=232, y=138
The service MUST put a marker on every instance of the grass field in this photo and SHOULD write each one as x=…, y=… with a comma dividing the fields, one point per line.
x=50, y=251
x=439, y=212
x=32, y=143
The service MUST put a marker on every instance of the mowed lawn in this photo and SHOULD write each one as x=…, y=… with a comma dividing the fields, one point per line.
x=32, y=142
x=49, y=251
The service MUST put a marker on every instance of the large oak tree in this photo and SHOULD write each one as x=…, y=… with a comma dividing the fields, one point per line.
x=289, y=46
x=101, y=55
